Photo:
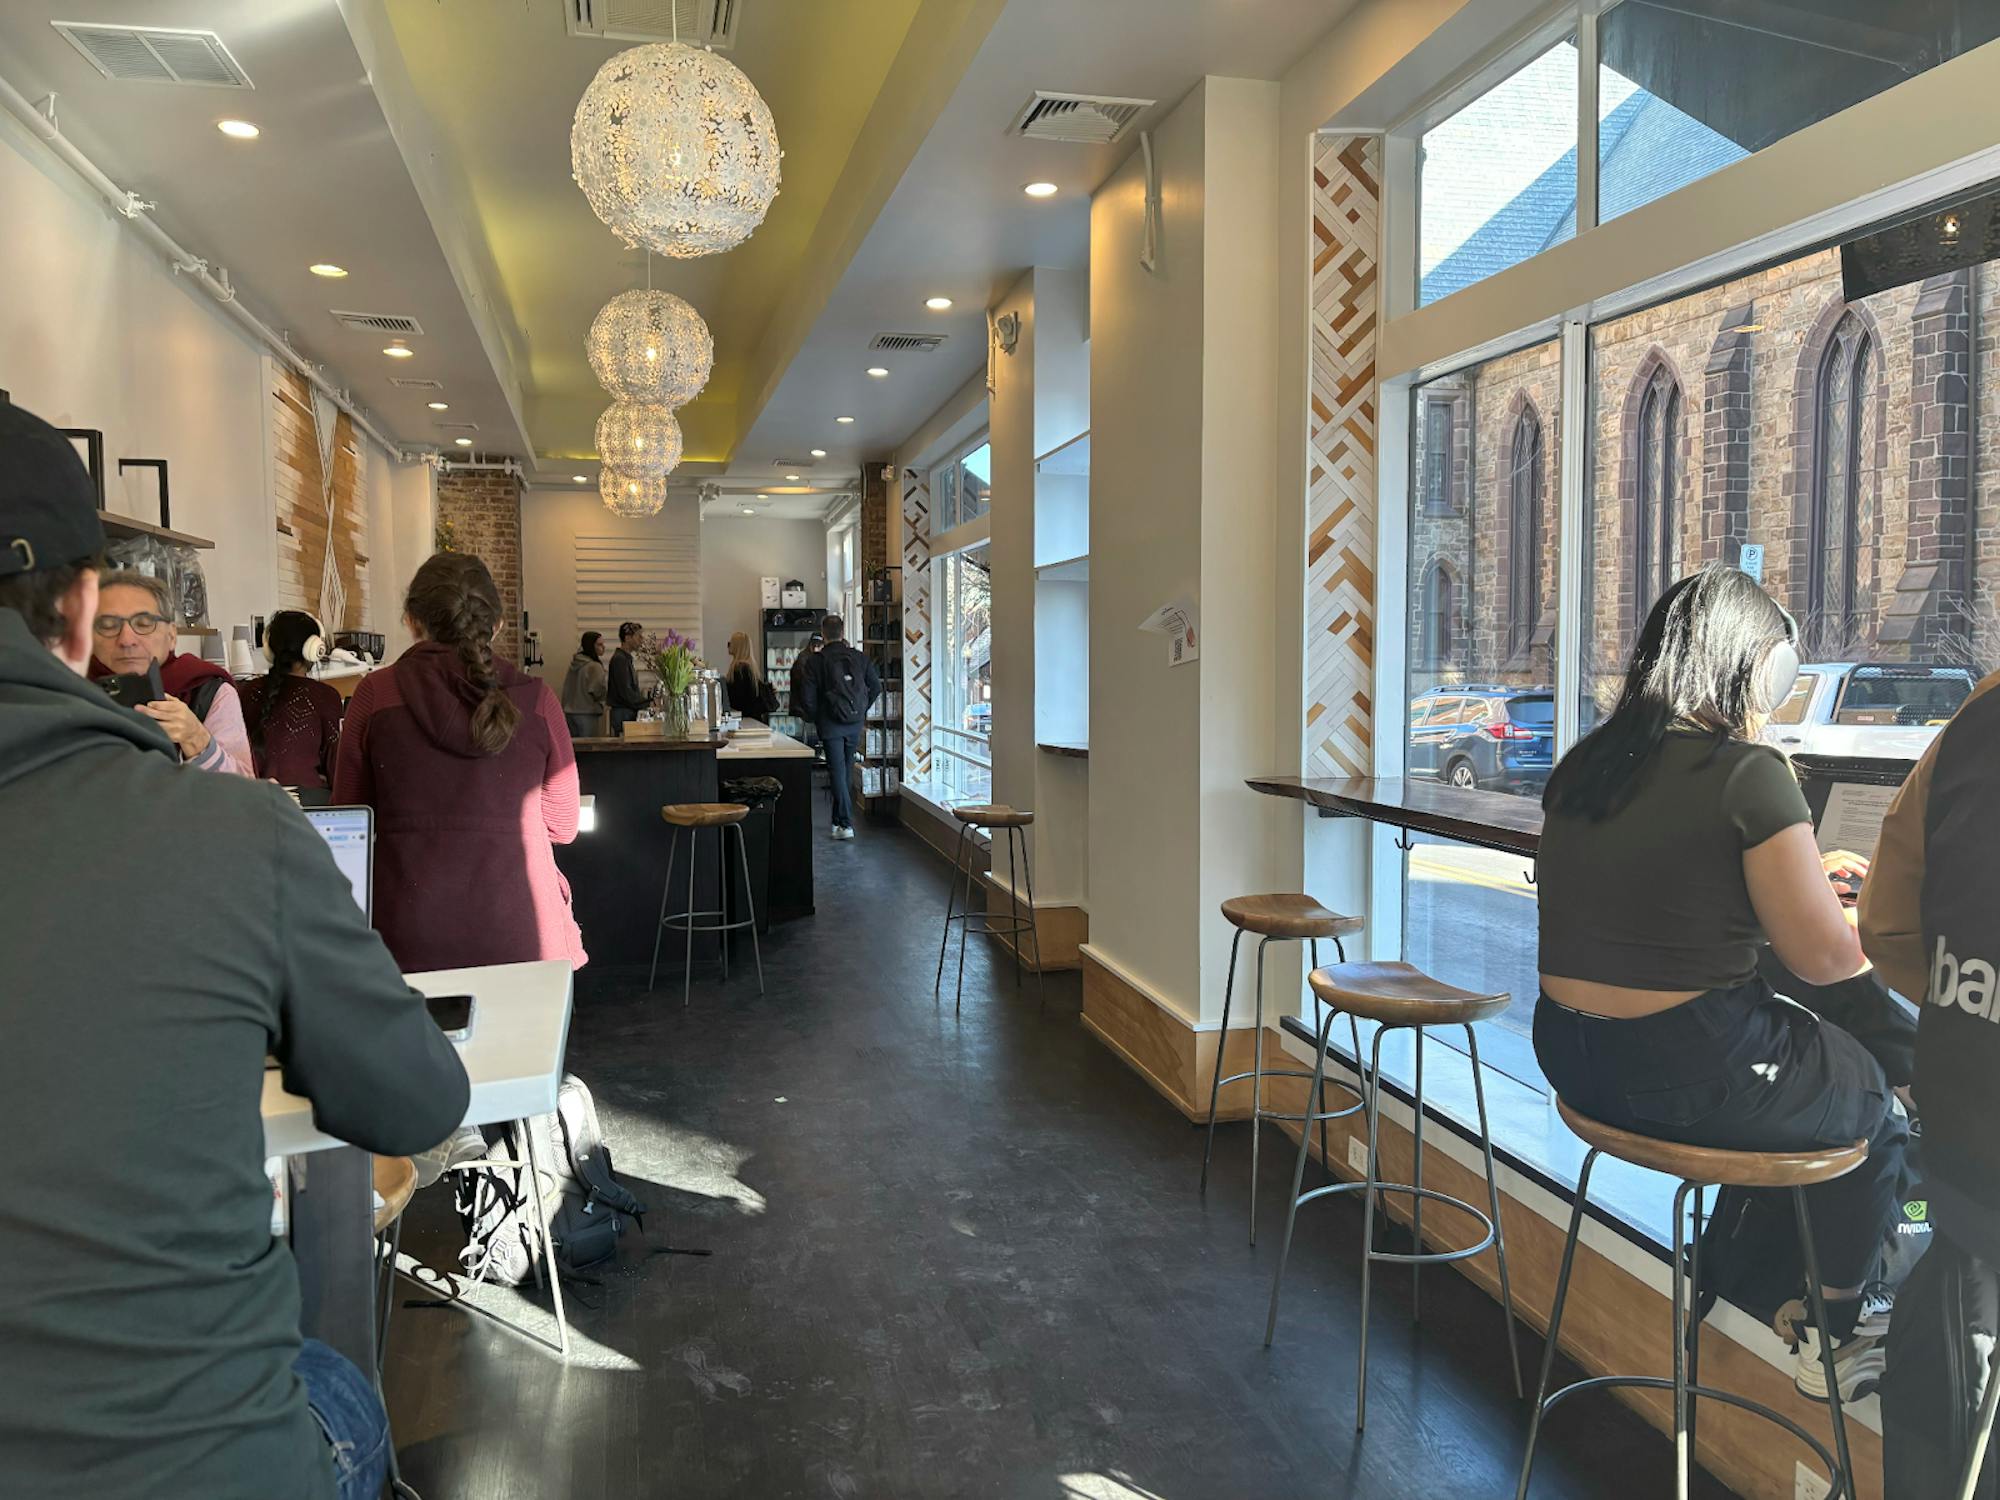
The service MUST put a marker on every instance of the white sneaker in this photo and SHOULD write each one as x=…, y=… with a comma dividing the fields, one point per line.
x=1858, y=1360
x=843, y=832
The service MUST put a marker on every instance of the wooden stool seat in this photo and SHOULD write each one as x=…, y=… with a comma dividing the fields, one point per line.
x=395, y=1185
x=992, y=815
x=1712, y=1164
x=1402, y=995
x=1287, y=916
x=704, y=814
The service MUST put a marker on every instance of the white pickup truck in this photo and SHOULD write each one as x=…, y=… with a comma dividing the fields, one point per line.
x=1884, y=712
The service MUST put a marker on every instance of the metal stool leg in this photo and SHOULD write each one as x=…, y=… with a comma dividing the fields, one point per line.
x=1369, y=1193
x=950, y=895
x=965, y=919
x=1682, y=1399
x=1982, y=1436
x=666, y=889
x=1257, y=1088
x=1493, y=1204
x=1034, y=923
x=1417, y=1181
x=750, y=904
x=1315, y=1101
x=1325, y=1159
x=722, y=896
x=1694, y=1318
x=1014, y=908
x=542, y=1222
x=1221, y=1046
x=1555, y=1321
x=687, y=969
x=1843, y=1482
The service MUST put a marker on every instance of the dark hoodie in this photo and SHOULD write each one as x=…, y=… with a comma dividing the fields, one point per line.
x=465, y=869
x=160, y=934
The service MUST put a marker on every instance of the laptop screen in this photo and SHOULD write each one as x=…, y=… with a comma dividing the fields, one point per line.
x=350, y=835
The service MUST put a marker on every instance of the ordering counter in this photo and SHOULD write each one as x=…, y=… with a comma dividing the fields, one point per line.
x=617, y=871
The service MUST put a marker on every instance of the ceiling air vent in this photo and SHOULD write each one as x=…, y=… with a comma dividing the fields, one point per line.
x=793, y=465
x=699, y=23
x=906, y=343
x=362, y=322
x=1085, y=119
x=415, y=383
x=458, y=427
x=155, y=54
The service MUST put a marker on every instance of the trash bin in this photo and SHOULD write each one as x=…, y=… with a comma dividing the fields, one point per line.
x=760, y=794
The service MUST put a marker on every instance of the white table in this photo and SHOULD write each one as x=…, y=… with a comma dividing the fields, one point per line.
x=514, y=1061
x=772, y=746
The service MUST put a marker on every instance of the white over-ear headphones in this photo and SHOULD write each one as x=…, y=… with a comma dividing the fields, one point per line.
x=1778, y=673
x=314, y=649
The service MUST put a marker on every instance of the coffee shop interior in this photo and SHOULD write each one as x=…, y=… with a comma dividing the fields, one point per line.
x=1074, y=471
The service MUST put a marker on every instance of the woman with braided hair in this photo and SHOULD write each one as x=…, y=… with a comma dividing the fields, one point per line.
x=468, y=764
x=294, y=721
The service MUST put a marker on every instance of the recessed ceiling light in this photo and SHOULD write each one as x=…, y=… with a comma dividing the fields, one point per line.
x=748, y=511
x=819, y=453
x=878, y=372
x=581, y=478
x=463, y=442
x=439, y=405
x=328, y=269
x=399, y=351
x=238, y=130
x=843, y=420
x=937, y=304
x=1040, y=190
x=792, y=478
x=763, y=497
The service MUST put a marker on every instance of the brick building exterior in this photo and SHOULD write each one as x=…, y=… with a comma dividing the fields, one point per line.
x=1841, y=438
x=479, y=511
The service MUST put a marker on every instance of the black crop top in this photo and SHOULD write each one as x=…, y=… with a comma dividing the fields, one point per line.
x=1653, y=897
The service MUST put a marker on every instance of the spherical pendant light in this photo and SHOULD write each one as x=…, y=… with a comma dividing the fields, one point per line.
x=640, y=439
x=650, y=346
x=675, y=149
x=630, y=495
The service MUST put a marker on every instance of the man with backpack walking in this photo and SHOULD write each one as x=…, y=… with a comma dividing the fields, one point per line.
x=839, y=683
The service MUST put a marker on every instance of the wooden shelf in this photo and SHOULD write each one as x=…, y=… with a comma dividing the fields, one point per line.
x=117, y=526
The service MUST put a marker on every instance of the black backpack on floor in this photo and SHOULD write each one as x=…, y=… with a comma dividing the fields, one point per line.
x=1940, y=1341
x=587, y=1205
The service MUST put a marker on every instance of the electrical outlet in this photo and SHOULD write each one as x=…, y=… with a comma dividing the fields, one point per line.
x=1806, y=1485
x=1357, y=1156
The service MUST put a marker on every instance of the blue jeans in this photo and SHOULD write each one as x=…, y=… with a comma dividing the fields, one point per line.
x=841, y=741
x=344, y=1403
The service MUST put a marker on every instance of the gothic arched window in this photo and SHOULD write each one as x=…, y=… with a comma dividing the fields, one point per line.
x=1439, y=604
x=1656, y=531
x=1833, y=541
x=1524, y=531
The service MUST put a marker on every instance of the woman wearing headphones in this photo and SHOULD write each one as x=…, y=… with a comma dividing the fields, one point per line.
x=294, y=721
x=1674, y=845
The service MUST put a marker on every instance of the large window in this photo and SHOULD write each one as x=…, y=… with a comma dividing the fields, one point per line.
x=1688, y=86
x=962, y=673
x=961, y=487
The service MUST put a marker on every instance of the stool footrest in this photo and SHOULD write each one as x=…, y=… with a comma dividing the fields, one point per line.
x=1005, y=926
x=1707, y=1393
x=1331, y=1114
x=1418, y=1257
x=1275, y=1073
x=683, y=921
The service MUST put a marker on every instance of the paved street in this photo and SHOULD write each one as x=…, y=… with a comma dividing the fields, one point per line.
x=1470, y=920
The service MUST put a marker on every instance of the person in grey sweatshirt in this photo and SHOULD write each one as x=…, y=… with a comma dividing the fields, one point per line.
x=161, y=933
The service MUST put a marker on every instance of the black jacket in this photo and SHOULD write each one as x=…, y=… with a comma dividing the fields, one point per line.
x=623, y=690
x=161, y=933
x=838, y=663
x=1958, y=1033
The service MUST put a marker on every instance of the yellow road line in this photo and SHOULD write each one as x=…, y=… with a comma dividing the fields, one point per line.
x=1472, y=877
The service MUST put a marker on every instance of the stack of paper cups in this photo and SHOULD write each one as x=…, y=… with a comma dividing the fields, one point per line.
x=239, y=661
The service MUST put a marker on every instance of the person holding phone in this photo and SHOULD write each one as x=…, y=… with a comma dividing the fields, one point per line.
x=134, y=632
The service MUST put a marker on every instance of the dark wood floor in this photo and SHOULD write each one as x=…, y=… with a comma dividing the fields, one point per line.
x=951, y=1257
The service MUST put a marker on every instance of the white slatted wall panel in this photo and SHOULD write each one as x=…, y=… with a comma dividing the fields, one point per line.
x=655, y=580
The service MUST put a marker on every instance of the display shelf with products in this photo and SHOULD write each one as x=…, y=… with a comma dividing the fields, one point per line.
x=881, y=761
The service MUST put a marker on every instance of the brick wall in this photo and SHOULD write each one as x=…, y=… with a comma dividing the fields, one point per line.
x=480, y=512
x=301, y=505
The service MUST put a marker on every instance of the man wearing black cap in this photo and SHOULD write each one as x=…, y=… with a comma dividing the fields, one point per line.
x=149, y=1321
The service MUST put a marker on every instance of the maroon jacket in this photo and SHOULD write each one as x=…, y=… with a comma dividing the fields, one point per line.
x=465, y=869
x=299, y=738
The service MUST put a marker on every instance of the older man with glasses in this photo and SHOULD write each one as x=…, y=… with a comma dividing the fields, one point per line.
x=133, y=631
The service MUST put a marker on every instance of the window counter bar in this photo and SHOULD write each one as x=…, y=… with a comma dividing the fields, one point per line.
x=1491, y=820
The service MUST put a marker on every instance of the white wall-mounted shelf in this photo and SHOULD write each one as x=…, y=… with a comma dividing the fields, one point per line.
x=1069, y=570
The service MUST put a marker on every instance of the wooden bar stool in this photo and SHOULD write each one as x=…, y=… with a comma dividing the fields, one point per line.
x=1399, y=997
x=991, y=816
x=1698, y=1167
x=1284, y=918
x=693, y=817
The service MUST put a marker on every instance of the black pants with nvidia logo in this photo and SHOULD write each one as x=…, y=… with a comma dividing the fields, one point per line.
x=1743, y=1069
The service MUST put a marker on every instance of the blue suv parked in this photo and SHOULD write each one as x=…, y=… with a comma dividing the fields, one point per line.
x=1484, y=736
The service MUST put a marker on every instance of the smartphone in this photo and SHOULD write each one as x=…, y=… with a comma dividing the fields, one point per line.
x=453, y=1014
x=130, y=689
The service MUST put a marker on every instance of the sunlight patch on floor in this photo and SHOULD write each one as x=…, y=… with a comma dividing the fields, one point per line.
x=1104, y=1487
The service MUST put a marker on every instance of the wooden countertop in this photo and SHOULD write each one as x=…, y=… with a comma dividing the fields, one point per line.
x=602, y=744
x=1492, y=820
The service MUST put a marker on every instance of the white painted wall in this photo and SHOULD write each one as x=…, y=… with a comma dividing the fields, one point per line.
x=736, y=551
x=551, y=521
x=402, y=517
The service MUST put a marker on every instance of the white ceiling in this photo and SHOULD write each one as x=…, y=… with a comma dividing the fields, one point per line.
x=958, y=225
x=327, y=181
